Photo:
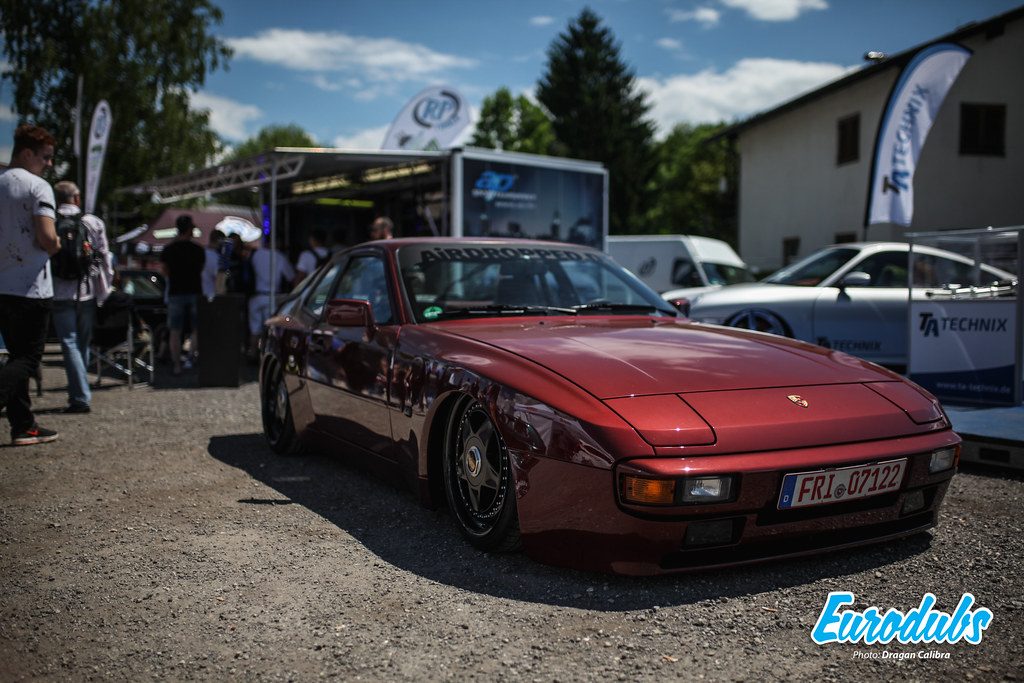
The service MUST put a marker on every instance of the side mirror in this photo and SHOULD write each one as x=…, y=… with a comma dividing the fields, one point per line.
x=349, y=313
x=857, y=278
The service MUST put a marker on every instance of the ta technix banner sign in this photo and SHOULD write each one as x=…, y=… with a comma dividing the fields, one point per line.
x=912, y=108
x=963, y=350
x=430, y=121
x=99, y=131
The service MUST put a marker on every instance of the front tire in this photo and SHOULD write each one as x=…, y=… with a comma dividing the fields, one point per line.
x=278, y=426
x=478, y=479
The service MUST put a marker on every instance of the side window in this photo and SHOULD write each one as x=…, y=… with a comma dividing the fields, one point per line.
x=684, y=274
x=887, y=269
x=365, y=278
x=322, y=291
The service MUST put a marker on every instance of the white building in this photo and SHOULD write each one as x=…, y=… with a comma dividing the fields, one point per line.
x=805, y=166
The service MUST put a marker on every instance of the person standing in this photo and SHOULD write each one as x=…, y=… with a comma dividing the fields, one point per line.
x=382, y=228
x=75, y=301
x=260, y=305
x=314, y=257
x=183, y=262
x=211, y=269
x=28, y=236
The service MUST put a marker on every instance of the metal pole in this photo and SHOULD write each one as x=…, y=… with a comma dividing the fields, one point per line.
x=273, y=232
x=456, y=195
x=1019, y=332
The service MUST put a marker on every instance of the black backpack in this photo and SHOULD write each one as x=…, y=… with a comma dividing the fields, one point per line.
x=75, y=257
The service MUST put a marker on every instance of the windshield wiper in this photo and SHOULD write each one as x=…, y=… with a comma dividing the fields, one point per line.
x=625, y=308
x=503, y=309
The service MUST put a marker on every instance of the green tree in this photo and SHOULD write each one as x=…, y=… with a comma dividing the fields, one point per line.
x=272, y=136
x=695, y=183
x=514, y=124
x=142, y=56
x=599, y=114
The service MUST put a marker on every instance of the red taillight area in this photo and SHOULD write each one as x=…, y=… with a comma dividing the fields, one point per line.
x=664, y=420
x=920, y=408
x=645, y=491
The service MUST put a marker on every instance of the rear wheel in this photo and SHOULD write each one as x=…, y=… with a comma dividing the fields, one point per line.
x=760, y=320
x=478, y=480
x=278, y=426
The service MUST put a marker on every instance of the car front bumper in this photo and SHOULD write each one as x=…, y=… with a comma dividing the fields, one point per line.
x=571, y=515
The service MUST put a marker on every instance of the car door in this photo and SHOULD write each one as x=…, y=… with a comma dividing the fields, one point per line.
x=867, y=321
x=348, y=367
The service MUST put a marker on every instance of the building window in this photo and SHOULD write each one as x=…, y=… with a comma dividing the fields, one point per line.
x=983, y=129
x=844, y=237
x=848, y=140
x=790, y=248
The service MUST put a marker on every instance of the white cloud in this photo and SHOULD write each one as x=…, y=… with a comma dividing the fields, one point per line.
x=7, y=113
x=750, y=86
x=670, y=44
x=378, y=59
x=775, y=10
x=369, y=139
x=326, y=84
x=5, y=153
x=705, y=16
x=541, y=21
x=228, y=118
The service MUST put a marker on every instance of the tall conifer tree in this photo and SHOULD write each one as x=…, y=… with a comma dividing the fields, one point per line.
x=599, y=114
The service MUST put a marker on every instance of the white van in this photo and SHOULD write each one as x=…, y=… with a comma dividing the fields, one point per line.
x=667, y=263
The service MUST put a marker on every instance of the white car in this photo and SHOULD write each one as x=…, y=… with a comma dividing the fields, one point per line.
x=849, y=297
x=669, y=262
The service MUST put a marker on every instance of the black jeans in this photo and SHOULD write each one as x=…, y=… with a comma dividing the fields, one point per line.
x=23, y=324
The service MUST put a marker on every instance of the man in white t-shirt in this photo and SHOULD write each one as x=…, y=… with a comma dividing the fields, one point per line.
x=314, y=257
x=260, y=305
x=28, y=237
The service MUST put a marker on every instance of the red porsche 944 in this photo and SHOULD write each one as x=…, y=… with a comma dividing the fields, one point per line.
x=557, y=404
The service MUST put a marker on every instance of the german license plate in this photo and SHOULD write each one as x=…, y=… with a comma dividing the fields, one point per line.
x=846, y=483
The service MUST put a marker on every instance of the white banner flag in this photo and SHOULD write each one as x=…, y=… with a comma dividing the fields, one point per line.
x=430, y=121
x=99, y=131
x=908, y=117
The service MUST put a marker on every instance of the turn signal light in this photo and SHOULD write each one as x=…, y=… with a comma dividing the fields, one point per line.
x=648, y=491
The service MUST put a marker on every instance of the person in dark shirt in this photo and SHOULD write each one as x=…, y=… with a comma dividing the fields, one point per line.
x=183, y=262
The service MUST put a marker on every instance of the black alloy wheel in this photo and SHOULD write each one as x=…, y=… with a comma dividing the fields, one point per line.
x=278, y=426
x=478, y=480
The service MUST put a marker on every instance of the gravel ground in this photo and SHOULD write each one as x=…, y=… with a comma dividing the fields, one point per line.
x=159, y=538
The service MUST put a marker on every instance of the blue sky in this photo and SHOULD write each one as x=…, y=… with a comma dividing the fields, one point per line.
x=342, y=70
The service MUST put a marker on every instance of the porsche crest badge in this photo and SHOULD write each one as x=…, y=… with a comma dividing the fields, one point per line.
x=797, y=400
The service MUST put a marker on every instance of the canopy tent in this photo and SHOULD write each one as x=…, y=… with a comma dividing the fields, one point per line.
x=296, y=174
x=227, y=219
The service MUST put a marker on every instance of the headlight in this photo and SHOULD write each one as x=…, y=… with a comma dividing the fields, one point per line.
x=942, y=459
x=707, y=489
x=685, y=491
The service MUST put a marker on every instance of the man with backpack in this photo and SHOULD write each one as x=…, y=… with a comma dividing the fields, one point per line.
x=81, y=280
x=27, y=238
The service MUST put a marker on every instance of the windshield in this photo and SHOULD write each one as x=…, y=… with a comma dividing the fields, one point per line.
x=811, y=271
x=721, y=274
x=460, y=279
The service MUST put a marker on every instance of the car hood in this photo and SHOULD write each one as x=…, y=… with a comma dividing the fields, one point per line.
x=688, y=384
x=634, y=356
x=751, y=293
